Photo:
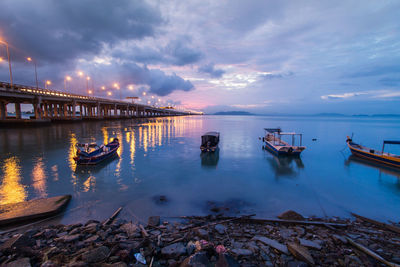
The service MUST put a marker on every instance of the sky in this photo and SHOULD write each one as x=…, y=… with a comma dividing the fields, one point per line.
x=260, y=56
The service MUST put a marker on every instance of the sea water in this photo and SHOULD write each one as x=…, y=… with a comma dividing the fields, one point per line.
x=159, y=169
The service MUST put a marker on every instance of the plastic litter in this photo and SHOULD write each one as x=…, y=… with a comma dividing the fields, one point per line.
x=139, y=257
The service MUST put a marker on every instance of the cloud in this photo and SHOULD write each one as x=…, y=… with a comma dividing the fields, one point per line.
x=342, y=96
x=377, y=71
x=210, y=69
x=271, y=76
x=62, y=31
x=179, y=51
x=372, y=94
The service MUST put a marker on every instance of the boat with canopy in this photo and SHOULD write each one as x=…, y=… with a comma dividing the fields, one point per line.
x=274, y=143
x=91, y=153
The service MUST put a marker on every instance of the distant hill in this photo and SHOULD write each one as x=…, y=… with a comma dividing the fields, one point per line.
x=233, y=113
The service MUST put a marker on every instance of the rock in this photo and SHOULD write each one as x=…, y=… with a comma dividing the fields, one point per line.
x=17, y=242
x=48, y=264
x=174, y=250
x=286, y=233
x=291, y=215
x=190, y=247
x=23, y=262
x=300, y=230
x=153, y=221
x=300, y=253
x=129, y=228
x=202, y=233
x=68, y=238
x=272, y=243
x=91, y=239
x=339, y=238
x=220, y=229
x=198, y=259
x=308, y=243
x=297, y=264
x=96, y=255
x=242, y=252
x=225, y=260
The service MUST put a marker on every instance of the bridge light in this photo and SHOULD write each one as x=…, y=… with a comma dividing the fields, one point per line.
x=116, y=85
x=80, y=73
x=48, y=82
x=68, y=78
x=88, y=78
x=1, y=59
x=90, y=92
x=29, y=58
x=144, y=93
x=109, y=93
x=103, y=88
x=130, y=87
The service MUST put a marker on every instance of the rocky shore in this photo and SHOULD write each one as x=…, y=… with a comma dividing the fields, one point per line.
x=206, y=241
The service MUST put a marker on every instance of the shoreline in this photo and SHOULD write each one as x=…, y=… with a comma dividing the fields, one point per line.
x=212, y=240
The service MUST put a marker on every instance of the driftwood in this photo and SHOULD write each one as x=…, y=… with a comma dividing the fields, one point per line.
x=112, y=218
x=371, y=253
x=381, y=224
x=261, y=221
x=144, y=232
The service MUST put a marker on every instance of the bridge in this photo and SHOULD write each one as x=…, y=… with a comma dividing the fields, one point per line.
x=51, y=105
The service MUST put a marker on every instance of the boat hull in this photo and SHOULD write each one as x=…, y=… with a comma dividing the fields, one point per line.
x=282, y=152
x=97, y=156
x=382, y=159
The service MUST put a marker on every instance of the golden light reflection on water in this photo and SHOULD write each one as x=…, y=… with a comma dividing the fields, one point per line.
x=105, y=135
x=119, y=152
x=72, y=151
x=39, y=178
x=132, y=146
x=11, y=189
x=89, y=184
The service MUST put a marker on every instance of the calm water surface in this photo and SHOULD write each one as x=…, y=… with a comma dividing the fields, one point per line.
x=161, y=157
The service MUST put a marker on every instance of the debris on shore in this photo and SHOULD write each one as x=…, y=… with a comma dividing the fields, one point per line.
x=206, y=241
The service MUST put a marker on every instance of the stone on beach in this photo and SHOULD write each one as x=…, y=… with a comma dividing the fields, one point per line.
x=272, y=243
x=309, y=243
x=154, y=221
x=95, y=255
x=23, y=262
x=174, y=250
x=291, y=215
x=300, y=253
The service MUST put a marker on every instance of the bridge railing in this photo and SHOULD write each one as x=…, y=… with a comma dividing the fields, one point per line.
x=24, y=89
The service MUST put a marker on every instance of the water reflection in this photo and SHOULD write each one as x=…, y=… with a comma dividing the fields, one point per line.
x=209, y=160
x=285, y=166
x=380, y=167
x=11, y=189
x=39, y=178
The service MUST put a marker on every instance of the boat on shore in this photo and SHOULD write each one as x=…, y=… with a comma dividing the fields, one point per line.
x=274, y=143
x=209, y=142
x=90, y=154
x=371, y=154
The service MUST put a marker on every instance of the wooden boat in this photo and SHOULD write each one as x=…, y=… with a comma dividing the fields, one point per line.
x=374, y=155
x=90, y=154
x=275, y=144
x=209, y=142
x=27, y=211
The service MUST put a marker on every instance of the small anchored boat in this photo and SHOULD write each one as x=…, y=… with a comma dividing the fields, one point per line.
x=209, y=141
x=374, y=155
x=275, y=144
x=90, y=154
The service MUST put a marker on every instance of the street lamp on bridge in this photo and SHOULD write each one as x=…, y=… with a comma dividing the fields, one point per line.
x=9, y=60
x=34, y=62
x=66, y=79
x=46, y=84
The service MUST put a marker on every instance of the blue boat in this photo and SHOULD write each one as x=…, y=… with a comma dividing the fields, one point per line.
x=275, y=144
x=91, y=154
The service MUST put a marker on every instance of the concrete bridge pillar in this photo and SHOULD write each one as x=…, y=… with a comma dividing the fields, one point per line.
x=36, y=108
x=3, y=110
x=65, y=109
x=73, y=109
x=18, y=110
x=137, y=111
x=115, y=110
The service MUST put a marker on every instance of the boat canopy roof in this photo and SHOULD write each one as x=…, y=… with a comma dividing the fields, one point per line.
x=279, y=131
x=391, y=142
x=211, y=134
x=273, y=130
x=86, y=145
